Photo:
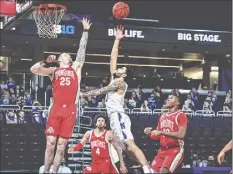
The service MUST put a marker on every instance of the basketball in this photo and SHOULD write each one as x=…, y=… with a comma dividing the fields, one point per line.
x=120, y=10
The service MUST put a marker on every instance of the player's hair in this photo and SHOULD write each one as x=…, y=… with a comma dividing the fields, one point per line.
x=101, y=116
x=125, y=74
x=57, y=58
x=115, y=76
x=178, y=97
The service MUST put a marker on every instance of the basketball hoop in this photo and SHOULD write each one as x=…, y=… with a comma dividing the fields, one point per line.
x=47, y=17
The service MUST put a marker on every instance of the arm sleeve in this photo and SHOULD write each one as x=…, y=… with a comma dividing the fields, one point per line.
x=153, y=137
x=182, y=120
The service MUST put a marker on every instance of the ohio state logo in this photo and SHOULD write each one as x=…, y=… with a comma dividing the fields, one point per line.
x=50, y=130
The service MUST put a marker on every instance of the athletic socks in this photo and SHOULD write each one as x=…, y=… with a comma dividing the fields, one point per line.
x=153, y=171
x=146, y=169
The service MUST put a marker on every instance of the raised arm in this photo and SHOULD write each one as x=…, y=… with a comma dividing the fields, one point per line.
x=79, y=146
x=39, y=68
x=115, y=49
x=80, y=58
x=118, y=84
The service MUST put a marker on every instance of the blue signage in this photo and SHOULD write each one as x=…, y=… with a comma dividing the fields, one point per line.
x=64, y=29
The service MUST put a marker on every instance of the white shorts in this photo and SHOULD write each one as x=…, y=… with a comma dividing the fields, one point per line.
x=121, y=127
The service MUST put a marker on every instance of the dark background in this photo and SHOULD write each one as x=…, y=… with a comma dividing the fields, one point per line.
x=205, y=14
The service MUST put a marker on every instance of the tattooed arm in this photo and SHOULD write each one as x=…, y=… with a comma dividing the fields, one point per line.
x=80, y=58
x=114, y=56
x=119, y=84
x=115, y=49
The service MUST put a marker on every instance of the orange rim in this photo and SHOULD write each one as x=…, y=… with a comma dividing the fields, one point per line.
x=42, y=8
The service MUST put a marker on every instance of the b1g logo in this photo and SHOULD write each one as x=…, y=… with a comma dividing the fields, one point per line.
x=64, y=29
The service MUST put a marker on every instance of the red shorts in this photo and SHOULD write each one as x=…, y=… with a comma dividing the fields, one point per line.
x=102, y=166
x=168, y=158
x=61, y=120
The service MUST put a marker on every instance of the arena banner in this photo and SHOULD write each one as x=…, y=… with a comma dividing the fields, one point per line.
x=165, y=35
x=140, y=34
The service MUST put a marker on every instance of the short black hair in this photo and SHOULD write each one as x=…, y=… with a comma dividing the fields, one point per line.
x=178, y=97
x=101, y=116
x=180, y=100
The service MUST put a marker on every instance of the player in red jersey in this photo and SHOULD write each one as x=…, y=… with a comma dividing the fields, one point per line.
x=170, y=131
x=66, y=81
x=101, y=141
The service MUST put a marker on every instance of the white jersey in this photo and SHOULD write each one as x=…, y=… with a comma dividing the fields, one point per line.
x=115, y=102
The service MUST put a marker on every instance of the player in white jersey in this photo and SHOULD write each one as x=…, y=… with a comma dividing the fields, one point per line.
x=119, y=121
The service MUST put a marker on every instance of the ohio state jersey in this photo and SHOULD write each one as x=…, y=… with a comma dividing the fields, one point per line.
x=65, y=85
x=99, y=146
x=170, y=122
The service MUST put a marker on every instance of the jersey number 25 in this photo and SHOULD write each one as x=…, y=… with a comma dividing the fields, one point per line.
x=65, y=81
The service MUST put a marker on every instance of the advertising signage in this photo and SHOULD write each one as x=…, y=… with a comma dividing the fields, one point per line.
x=141, y=34
x=165, y=35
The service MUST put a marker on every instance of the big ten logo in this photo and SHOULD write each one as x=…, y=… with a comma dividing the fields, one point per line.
x=64, y=29
x=184, y=36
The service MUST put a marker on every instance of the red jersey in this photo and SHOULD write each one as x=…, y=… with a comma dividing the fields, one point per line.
x=170, y=122
x=65, y=85
x=99, y=146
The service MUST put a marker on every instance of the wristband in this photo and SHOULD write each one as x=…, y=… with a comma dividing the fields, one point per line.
x=154, y=137
x=44, y=61
x=77, y=147
x=85, y=30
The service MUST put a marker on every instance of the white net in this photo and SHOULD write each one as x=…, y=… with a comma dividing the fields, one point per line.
x=47, y=17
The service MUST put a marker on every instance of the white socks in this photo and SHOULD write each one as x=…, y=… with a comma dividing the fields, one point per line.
x=153, y=171
x=146, y=169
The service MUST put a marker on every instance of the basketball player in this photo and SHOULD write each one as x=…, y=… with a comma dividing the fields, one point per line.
x=119, y=121
x=101, y=140
x=221, y=155
x=170, y=131
x=66, y=83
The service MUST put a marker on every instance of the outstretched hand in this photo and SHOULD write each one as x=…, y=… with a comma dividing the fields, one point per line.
x=147, y=130
x=220, y=157
x=119, y=32
x=71, y=149
x=86, y=24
